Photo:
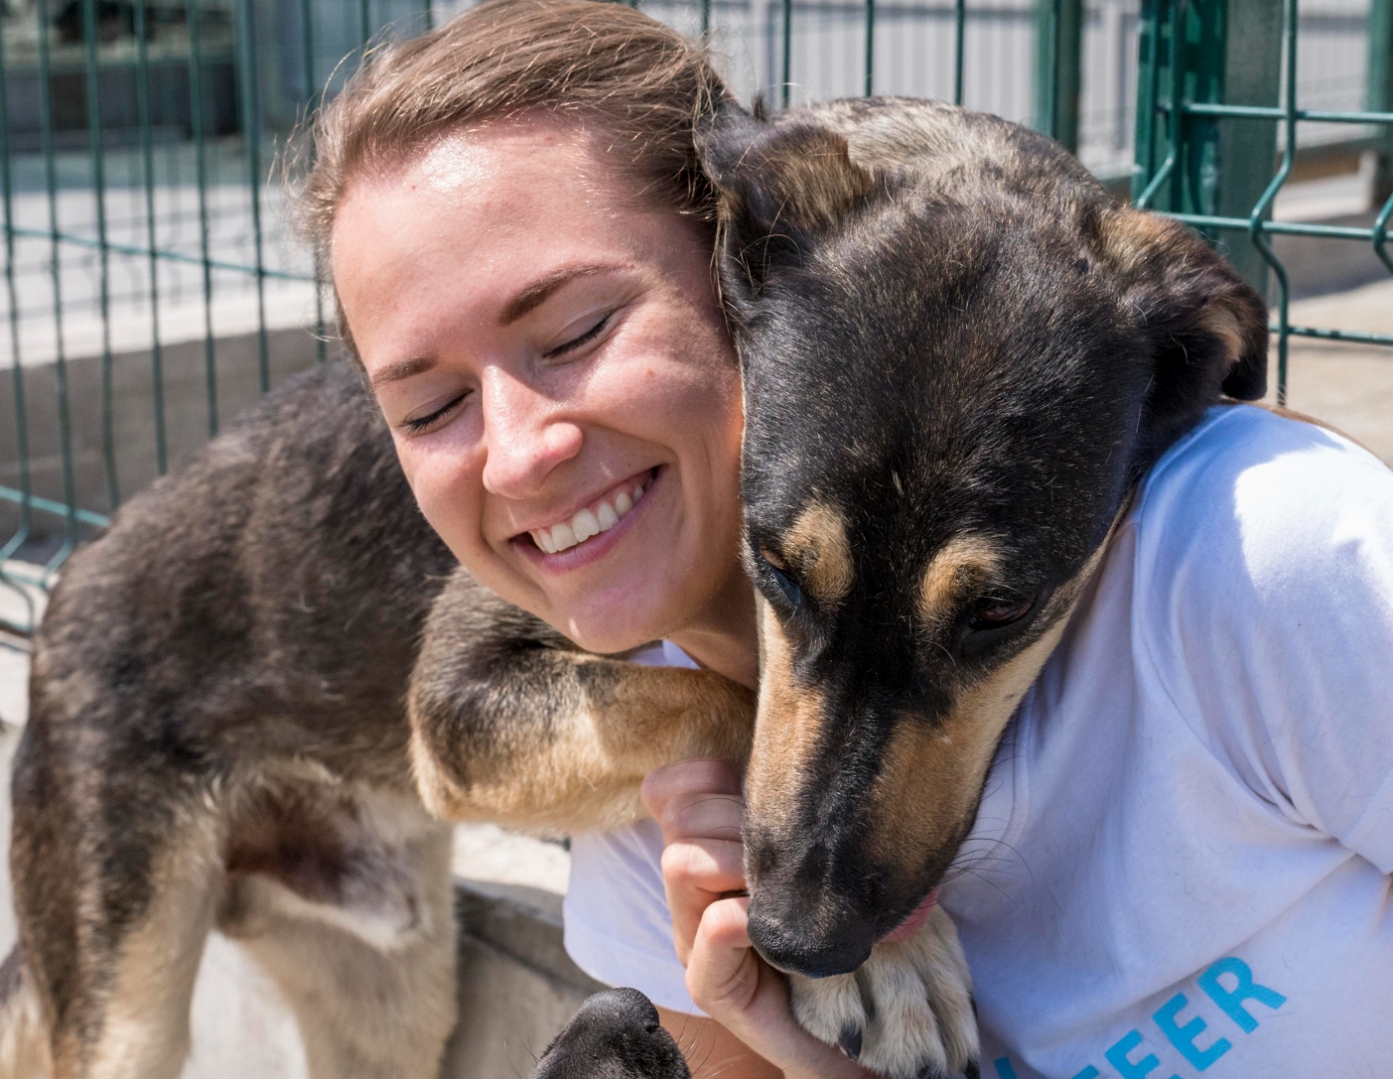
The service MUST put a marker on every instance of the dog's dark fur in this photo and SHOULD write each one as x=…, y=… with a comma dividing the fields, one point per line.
x=959, y=358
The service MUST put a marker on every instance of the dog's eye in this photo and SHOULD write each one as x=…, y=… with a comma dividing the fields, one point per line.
x=995, y=619
x=793, y=595
x=997, y=611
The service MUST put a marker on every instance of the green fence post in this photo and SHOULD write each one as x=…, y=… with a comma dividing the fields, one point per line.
x=1229, y=53
x=1379, y=95
x=1058, y=64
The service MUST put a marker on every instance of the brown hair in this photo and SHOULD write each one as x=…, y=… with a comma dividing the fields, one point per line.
x=637, y=84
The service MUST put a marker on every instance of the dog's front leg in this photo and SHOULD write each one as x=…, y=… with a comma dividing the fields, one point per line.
x=511, y=723
x=906, y=1013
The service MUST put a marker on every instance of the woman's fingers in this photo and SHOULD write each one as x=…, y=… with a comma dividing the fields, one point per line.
x=686, y=780
x=697, y=872
x=723, y=975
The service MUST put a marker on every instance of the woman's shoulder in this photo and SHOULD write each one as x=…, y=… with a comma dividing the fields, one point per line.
x=1273, y=500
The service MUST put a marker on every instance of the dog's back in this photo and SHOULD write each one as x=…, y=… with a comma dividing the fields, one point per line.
x=217, y=734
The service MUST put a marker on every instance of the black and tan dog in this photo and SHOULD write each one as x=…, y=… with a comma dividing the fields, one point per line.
x=959, y=358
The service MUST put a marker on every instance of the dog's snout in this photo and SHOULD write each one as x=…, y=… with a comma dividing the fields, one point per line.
x=786, y=944
x=623, y=1009
x=615, y=1033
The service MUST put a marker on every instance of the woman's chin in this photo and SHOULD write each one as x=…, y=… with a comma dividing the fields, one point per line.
x=612, y=625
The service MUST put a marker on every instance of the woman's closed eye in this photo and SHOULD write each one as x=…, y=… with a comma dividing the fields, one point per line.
x=418, y=425
x=581, y=340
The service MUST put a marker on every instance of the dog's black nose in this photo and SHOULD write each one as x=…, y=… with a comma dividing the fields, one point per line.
x=790, y=946
x=621, y=1010
x=616, y=1034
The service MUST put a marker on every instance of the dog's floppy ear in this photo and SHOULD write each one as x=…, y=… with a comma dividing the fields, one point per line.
x=777, y=184
x=1207, y=326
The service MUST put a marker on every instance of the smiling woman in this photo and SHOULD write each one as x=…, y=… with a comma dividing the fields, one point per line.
x=549, y=353
x=520, y=238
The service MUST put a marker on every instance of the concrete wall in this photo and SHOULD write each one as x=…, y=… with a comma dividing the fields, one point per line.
x=186, y=413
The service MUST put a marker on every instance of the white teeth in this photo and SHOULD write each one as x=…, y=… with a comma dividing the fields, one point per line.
x=586, y=523
x=562, y=536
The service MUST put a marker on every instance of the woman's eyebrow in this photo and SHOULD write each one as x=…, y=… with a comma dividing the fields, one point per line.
x=404, y=369
x=537, y=293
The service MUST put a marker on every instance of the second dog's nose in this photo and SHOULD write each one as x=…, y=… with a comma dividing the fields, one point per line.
x=626, y=1009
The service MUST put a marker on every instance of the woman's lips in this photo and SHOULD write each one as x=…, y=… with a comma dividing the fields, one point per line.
x=598, y=543
x=598, y=517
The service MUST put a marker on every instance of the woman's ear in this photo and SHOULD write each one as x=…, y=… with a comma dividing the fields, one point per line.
x=778, y=184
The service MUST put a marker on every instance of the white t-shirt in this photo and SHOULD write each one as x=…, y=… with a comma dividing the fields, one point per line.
x=1181, y=863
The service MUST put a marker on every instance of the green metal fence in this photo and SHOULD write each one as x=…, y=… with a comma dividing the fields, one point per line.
x=151, y=291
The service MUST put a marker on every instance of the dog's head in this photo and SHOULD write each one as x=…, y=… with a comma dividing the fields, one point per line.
x=615, y=1035
x=958, y=359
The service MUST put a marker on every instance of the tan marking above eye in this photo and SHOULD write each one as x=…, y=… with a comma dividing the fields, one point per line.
x=964, y=564
x=818, y=547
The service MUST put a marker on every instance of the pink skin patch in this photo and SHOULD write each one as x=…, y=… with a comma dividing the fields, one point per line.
x=915, y=922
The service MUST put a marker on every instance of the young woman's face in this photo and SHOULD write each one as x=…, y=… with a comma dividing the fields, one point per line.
x=549, y=354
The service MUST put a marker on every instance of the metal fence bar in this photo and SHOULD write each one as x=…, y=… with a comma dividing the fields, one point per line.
x=1378, y=96
x=314, y=98
x=60, y=364
x=870, y=47
x=89, y=243
x=147, y=159
x=192, y=9
x=786, y=78
x=959, y=41
x=1058, y=64
x=25, y=493
x=1263, y=207
x=94, y=130
x=251, y=133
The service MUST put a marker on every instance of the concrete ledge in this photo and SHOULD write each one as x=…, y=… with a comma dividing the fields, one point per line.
x=517, y=986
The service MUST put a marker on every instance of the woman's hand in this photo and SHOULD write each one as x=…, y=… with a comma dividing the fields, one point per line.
x=698, y=805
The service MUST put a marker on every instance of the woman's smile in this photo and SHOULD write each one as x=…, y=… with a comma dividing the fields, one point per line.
x=592, y=531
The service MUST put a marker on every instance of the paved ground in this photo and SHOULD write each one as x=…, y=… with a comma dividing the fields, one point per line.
x=1349, y=386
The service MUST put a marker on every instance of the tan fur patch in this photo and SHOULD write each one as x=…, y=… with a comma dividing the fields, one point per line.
x=818, y=547
x=586, y=772
x=786, y=732
x=815, y=180
x=931, y=775
x=962, y=565
x=145, y=1030
x=1135, y=237
x=1222, y=321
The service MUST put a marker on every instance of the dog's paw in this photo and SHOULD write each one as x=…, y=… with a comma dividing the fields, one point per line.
x=906, y=1013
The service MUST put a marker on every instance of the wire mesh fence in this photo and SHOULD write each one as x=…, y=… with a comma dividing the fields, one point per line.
x=152, y=288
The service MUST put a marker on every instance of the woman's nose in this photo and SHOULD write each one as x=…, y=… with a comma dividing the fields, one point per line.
x=525, y=436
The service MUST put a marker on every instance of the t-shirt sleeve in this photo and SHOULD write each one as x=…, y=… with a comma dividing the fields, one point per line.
x=1267, y=550
x=618, y=929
